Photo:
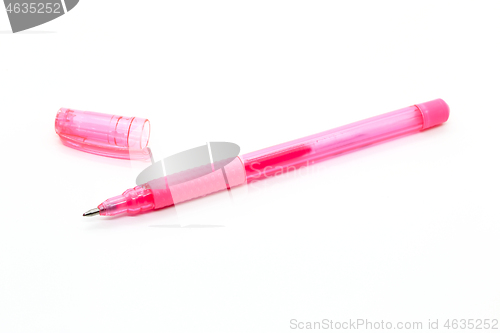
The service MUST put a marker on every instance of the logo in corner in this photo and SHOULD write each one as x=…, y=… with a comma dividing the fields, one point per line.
x=26, y=14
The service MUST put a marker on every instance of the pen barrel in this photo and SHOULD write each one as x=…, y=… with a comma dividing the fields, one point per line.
x=292, y=155
x=194, y=183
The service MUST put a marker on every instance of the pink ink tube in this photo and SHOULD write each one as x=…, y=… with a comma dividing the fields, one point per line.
x=163, y=192
x=104, y=134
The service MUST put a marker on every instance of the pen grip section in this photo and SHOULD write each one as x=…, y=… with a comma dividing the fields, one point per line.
x=193, y=183
x=173, y=189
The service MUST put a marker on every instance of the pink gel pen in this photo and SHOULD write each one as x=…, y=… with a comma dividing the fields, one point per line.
x=267, y=162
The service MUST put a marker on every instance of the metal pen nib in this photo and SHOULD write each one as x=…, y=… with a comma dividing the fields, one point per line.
x=92, y=212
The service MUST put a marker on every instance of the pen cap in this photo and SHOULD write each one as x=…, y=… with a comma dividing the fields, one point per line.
x=104, y=134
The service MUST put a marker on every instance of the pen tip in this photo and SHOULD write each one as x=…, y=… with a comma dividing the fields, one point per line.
x=92, y=212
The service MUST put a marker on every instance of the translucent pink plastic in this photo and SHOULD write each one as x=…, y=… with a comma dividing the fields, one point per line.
x=315, y=148
x=168, y=191
x=104, y=134
x=171, y=190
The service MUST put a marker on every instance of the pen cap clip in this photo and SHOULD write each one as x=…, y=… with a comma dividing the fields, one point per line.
x=104, y=134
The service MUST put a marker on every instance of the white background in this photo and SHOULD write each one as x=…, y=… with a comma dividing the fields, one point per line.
x=404, y=231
